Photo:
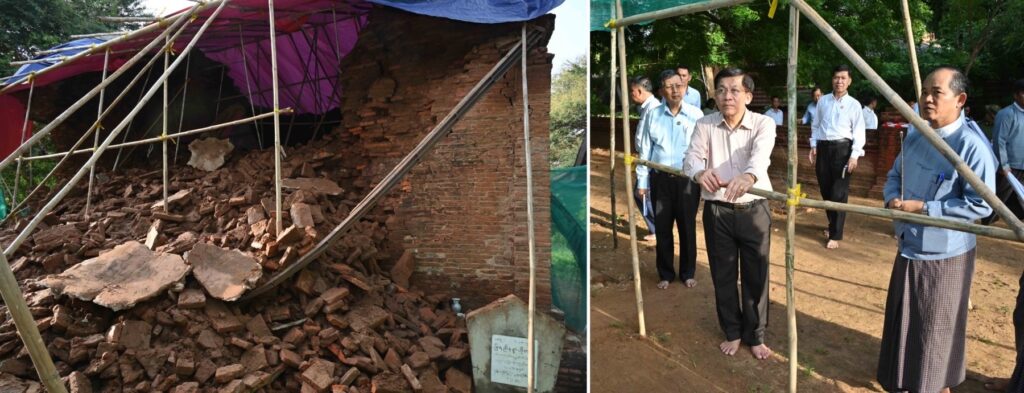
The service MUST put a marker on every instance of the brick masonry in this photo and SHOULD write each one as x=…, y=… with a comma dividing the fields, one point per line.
x=462, y=209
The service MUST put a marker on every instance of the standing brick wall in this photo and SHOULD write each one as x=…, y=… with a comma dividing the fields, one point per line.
x=462, y=209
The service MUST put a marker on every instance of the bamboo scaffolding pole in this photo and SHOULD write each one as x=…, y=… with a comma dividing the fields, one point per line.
x=93, y=35
x=926, y=130
x=277, y=121
x=912, y=48
x=124, y=37
x=27, y=329
x=286, y=111
x=399, y=171
x=628, y=172
x=106, y=142
x=59, y=50
x=163, y=118
x=792, y=166
x=531, y=347
x=673, y=11
x=88, y=96
x=611, y=137
x=132, y=19
x=890, y=214
x=96, y=136
x=95, y=127
x=24, y=130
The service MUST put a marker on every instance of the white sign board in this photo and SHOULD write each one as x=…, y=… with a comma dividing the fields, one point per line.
x=508, y=360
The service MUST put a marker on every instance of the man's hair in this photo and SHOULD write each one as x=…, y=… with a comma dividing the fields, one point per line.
x=683, y=67
x=643, y=82
x=814, y=89
x=748, y=82
x=1018, y=86
x=776, y=98
x=666, y=75
x=869, y=99
x=958, y=83
x=842, y=68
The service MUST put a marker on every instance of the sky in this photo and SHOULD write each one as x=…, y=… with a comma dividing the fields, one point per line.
x=569, y=40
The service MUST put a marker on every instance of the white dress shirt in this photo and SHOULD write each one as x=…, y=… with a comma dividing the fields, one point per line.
x=732, y=152
x=775, y=114
x=870, y=119
x=837, y=119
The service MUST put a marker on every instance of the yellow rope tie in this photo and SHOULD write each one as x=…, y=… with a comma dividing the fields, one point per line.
x=629, y=160
x=610, y=24
x=31, y=77
x=794, y=196
x=771, y=10
x=170, y=49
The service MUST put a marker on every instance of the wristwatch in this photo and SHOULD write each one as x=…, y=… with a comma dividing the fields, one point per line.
x=924, y=209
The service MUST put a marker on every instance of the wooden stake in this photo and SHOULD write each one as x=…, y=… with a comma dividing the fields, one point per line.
x=531, y=376
x=912, y=49
x=277, y=120
x=627, y=149
x=926, y=130
x=611, y=137
x=24, y=130
x=163, y=133
x=96, y=136
x=793, y=155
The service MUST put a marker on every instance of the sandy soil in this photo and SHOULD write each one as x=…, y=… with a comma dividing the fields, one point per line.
x=840, y=298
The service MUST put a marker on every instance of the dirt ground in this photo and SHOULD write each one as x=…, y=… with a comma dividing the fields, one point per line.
x=840, y=298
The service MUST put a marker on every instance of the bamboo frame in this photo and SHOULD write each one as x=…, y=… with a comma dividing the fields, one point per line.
x=24, y=130
x=163, y=118
x=399, y=171
x=611, y=137
x=627, y=148
x=798, y=7
x=277, y=121
x=531, y=347
x=113, y=133
x=96, y=136
x=911, y=48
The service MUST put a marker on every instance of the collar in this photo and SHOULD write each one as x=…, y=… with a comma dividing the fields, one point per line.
x=950, y=128
x=1017, y=107
x=747, y=121
x=668, y=109
x=652, y=100
x=775, y=110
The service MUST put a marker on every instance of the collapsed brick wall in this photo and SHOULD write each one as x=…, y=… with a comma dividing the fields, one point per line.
x=462, y=209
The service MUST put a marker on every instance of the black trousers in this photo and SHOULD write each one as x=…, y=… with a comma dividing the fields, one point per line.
x=1005, y=193
x=1017, y=380
x=675, y=205
x=738, y=241
x=834, y=183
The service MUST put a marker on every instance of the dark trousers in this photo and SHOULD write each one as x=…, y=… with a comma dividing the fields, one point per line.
x=675, y=205
x=646, y=208
x=833, y=182
x=738, y=241
x=1005, y=193
x=1017, y=380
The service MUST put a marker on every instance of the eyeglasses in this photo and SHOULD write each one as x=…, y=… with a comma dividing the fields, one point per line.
x=674, y=87
x=726, y=93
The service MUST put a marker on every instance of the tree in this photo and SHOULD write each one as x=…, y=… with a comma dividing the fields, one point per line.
x=568, y=111
x=27, y=26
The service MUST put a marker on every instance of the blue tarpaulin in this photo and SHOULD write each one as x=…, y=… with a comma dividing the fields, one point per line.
x=478, y=11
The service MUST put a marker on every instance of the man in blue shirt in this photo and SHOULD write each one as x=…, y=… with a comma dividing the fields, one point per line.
x=663, y=137
x=691, y=96
x=924, y=332
x=812, y=108
x=641, y=93
x=1008, y=138
x=837, y=141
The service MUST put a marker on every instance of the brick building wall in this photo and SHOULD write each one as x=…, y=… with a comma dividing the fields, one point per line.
x=462, y=209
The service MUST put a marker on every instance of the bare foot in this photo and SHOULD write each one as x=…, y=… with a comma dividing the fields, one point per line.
x=663, y=284
x=997, y=384
x=761, y=352
x=649, y=238
x=729, y=347
x=690, y=283
x=832, y=244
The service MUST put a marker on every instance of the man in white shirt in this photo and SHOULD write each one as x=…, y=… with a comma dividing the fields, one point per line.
x=730, y=152
x=870, y=118
x=692, y=96
x=641, y=93
x=837, y=141
x=812, y=108
x=775, y=112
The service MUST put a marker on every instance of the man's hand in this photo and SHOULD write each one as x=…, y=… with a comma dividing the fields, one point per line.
x=909, y=206
x=851, y=165
x=1006, y=171
x=738, y=186
x=642, y=192
x=812, y=155
x=709, y=180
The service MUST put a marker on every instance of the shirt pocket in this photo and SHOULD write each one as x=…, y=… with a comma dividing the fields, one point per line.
x=931, y=183
x=935, y=239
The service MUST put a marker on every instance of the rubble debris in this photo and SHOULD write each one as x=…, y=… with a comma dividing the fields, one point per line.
x=226, y=274
x=208, y=154
x=315, y=184
x=120, y=278
x=403, y=269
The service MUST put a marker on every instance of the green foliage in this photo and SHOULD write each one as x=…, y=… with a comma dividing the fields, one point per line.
x=568, y=112
x=30, y=25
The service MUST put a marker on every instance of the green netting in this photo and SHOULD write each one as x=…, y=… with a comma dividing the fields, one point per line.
x=569, y=244
x=601, y=11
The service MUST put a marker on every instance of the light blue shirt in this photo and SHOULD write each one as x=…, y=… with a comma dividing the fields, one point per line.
x=650, y=102
x=1008, y=134
x=692, y=97
x=870, y=119
x=775, y=114
x=931, y=178
x=839, y=118
x=808, y=118
x=663, y=138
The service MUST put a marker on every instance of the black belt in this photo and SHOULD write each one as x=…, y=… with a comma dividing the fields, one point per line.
x=657, y=172
x=834, y=141
x=738, y=206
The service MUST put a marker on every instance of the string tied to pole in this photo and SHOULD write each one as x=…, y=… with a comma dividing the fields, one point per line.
x=771, y=10
x=794, y=195
x=628, y=159
x=610, y=24
x=170, y=49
